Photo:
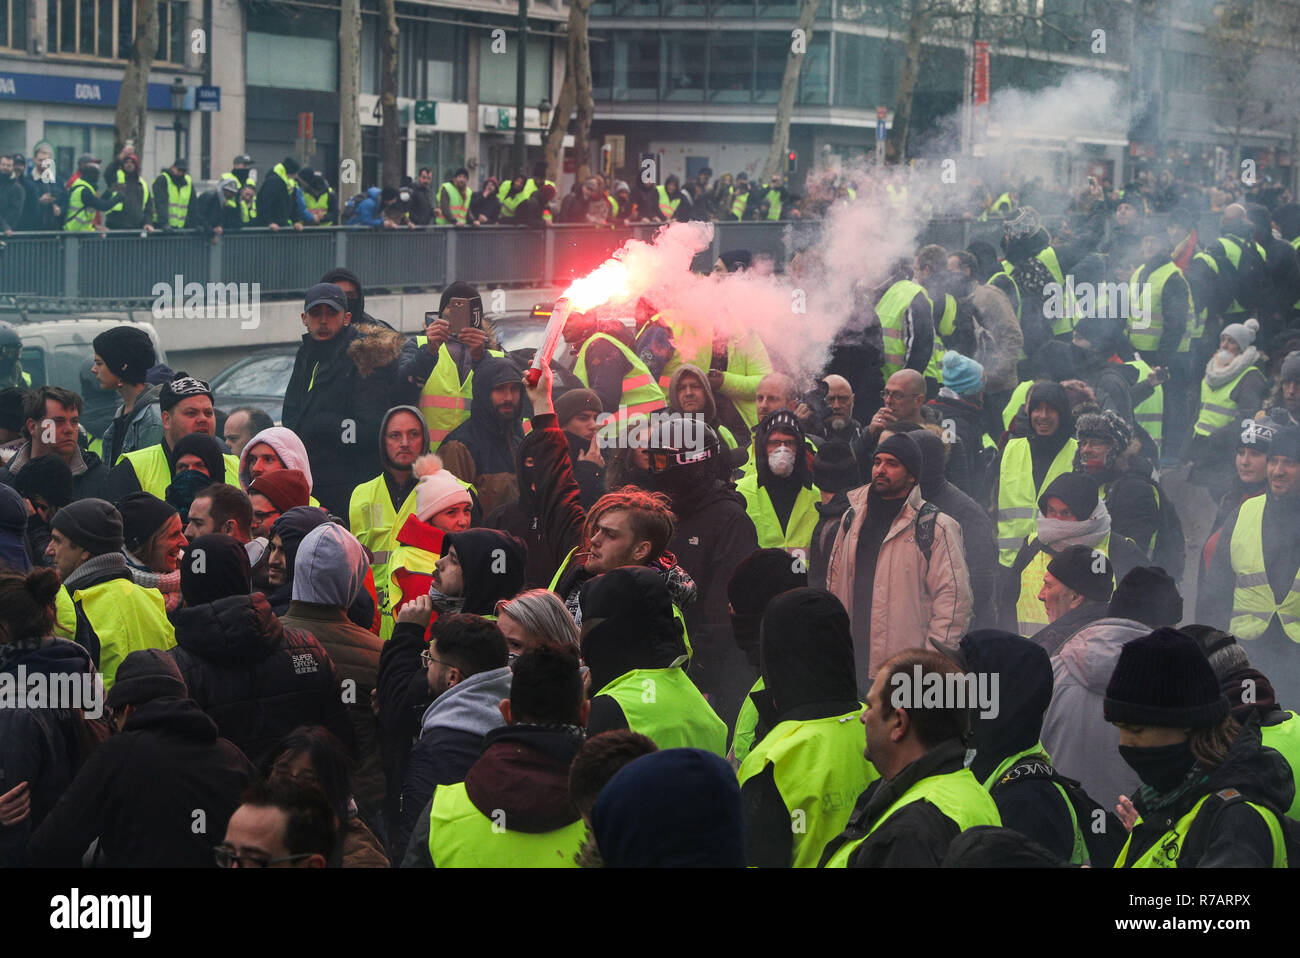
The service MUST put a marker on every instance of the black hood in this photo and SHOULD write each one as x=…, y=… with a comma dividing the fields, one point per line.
x=206, y=448
x=1024, y=691
x=491, y=372
x=807, y=651
x=172, y=716
x=638, y=630
x=239, y=630
x=340, y=273
x=933, y=481
x=1023, y=247
x=383, y=428
x=1055, y=396
x=486, y=582
x=785, y=419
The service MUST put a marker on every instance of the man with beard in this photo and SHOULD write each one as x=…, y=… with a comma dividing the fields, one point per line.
x=135, y=207
x=780, y=496
x=689, y=393
x=1029, y=463
x=840, y=424
x=481, y=450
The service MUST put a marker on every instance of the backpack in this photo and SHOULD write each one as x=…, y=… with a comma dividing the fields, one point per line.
x=1104, y=843
x=1198, y=836
x=922, y=527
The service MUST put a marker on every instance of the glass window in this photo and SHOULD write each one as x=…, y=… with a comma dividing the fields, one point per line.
x=497, y=71
x=602, y=64
x=369, y=54
x=815, y=78
x=636, y=66
x=13, y=33
x=779, y=9
x=773, y=52
x=177, y=46
x=684, y=56
x=67, y=32
x=105, y=32
x=733, y=9
x=685, y=8
x=731, y=66
x=309, y=63
x=86, y=28
x=125, y=31
x=636, y=8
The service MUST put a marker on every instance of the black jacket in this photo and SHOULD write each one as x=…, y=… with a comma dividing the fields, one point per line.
x=523, y=773
x=819, y=553
x=39, y=746
x=145, y=792
x=915, y=836
x=1054, y=635
x=336, y=400
x=257, y=679
x=12, y=198
x=968, y=426
x=91, y=484
x=162, y=214
x=38, y=215
x=491, y=442
x=402, y=688
x=276, y=203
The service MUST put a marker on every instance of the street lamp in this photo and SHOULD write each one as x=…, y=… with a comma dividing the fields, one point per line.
x=178, y=91
x=544, y=113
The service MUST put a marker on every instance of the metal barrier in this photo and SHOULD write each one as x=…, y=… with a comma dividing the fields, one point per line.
x=126, y=266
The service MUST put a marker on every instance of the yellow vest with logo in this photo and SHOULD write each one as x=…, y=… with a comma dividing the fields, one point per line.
x=1253, y=605
x=1018, y=496
x=154, y=475
x=1164, y=852
x=798, y=531
x=460, y=836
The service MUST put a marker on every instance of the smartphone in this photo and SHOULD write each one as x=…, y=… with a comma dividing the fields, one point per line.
x=461, y=313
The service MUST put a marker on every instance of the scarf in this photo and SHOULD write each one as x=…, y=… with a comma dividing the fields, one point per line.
x=1060, y=534
x=108, y=562
x=445, y=604
x=1217, y=375
x=12, y=651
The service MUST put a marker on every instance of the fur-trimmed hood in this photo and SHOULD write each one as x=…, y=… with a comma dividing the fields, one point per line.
x=374, y=346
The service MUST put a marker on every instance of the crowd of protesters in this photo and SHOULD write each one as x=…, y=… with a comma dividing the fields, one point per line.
x=439, y=616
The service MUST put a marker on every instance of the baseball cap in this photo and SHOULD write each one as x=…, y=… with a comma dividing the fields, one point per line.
x=85, y=158
x=245, y=159
x=181, y=163
x=327, y=294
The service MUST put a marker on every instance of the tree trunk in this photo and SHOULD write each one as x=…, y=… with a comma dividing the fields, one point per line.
x=132, y=100
x=580, y=63
x=349, y=172
x=390, y=145
x=908, y=73
x=553, y=146
x=789, y=87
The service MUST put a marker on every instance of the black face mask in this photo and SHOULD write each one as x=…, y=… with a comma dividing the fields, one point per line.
x=1162, y=767
x=91, y=175
x=356, y=307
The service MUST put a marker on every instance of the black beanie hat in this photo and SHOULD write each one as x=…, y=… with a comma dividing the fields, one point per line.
x=181, y=386
x=92, y=524
x=127, y=351
x=1084, y=570
x=47, y=476
x=1148, y=594
x=143, y=514
x=1208, y=638
x=214, y=567
x=757, y=579
x=1163, y=679
x=1076, y=490
x=12, y=416
x=145, y=675
x=834, y=468
x=1286, y=442
x=903, y=448
x=291, y=166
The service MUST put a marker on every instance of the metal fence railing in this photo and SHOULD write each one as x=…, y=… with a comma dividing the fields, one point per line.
x=126, y=266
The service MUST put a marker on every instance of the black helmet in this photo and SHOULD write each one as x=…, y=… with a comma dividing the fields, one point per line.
x=678, y=440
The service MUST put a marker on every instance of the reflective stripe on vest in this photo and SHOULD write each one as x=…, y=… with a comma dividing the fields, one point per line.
x=126, y=618
x=178, y=202
x=1217, y=405
x=1018, y=496
x=444, y=400
x=460, y=836
x=668, y=206
x=665, y=705
x=1197, y=316
x=1030, y=611
x=890, y=311
x=121, y=204
x=641, y=394
x=80, y=218
x=1148, y=339
x=1253, y=605
x=1164, y=851
x=1233, y=251
x=1150, y=413
x=1284, y=737
x=819, y=771
x=370, y=519
x=1063, y=324
x=1079, y=850
x=1016, y=402
x=154, y=475
x=958, y=795
x=459, y=203
x=739, y=205
x=800, y=525
x=773, y=198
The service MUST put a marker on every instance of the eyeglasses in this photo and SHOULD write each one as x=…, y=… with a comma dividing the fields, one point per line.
x=888, y=394
x=226, y=857
x=427, y=656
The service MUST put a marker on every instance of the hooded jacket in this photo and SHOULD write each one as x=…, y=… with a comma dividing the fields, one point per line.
x=292, y=527
x=1083, y=745
x=40, y=746
x=710, y=412
x=782, y=493
x=140, y=428
x=979, y=544
x=482, y=449
x=808, y=674
x=287, y=446
x=337, y=397
x=522, y=778
x=257, y=679
x=397, y=494
x=330, y=570
x=451, y=740
x=925, y=600
x=137, y=793
x=1032, y=806
x=480, y=552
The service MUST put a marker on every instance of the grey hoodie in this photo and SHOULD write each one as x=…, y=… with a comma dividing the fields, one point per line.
x=330, y=567
x=473, y=705
x=1083, y=745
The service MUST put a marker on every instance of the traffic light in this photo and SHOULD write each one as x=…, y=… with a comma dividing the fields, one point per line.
x=791, y=161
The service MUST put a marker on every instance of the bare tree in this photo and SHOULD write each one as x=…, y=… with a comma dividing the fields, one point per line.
x=390, y=144
x=1238, y=84
x=575, y=92
x=799, y=40
x=132, y=100
x=349, y=93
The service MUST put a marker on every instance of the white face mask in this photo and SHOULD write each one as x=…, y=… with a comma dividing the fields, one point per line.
x=781, y=462
x=1223, y=357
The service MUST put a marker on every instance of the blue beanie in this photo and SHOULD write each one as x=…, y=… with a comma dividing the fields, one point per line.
x=962, y=374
